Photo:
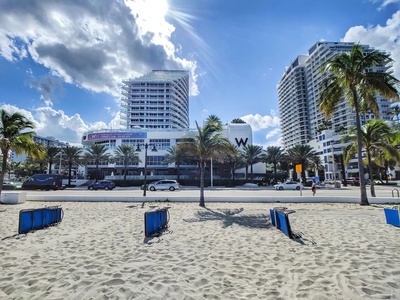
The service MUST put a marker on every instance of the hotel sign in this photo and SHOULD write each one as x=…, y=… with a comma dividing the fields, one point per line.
x=116, y=135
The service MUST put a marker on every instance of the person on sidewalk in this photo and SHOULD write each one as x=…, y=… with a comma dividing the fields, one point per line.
x=314, y=188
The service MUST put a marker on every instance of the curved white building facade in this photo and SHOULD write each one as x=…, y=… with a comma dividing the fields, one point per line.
x=238, y=134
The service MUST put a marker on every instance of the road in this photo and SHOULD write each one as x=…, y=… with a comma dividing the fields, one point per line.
x=237, y=194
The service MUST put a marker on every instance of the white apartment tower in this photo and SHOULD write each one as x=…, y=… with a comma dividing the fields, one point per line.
x=157, y=100
x=298, y=93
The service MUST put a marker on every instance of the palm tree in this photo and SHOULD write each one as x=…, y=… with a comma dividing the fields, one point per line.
x=305, y=156
x=350, y=77
x=205, y=145
x=73, y=156
x=52, y=153
x=394, y=111
x=127, y=155
x=274, y=155
x=233, y=158
x=176, y=155
x=374, y=139
x=15, y=135
x=97, y=153
x=238, y=121
x=251, y=155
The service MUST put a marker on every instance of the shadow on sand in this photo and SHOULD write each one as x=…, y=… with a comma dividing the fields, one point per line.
x=228, y=217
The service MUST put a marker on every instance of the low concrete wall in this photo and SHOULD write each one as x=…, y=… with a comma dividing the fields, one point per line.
x=173, y=198
x=12, y=197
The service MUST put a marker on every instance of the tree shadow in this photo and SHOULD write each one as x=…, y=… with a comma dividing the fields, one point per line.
x=229, y=217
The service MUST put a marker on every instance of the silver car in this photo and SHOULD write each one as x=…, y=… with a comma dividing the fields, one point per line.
x=288, y=185
x=171, y=185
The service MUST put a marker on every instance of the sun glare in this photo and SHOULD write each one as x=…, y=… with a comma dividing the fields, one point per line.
x=148, y=9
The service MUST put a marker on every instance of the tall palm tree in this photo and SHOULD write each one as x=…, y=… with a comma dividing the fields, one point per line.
x=176, y=155
x=126, y=154
x=97, y=153
x=274, y=155
x=51, y=154
x=73, y=156
x=205, y=145
x=305, y=156
x=15, y=134
x=350, y=77
x=251, y=155
x=374, y=139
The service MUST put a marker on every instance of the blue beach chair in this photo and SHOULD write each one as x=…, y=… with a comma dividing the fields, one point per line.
x=392, y=216
x=280, y=219
x=33, y=219
x=155, y=221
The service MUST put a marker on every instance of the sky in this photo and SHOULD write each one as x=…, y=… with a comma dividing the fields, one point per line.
x=62, y=62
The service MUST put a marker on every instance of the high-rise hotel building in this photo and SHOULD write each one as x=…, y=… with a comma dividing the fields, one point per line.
x=298, y=94
x=157, y=100
x=299, y=89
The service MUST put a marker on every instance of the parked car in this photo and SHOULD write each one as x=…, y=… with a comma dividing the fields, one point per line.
x=355, y=181
x=171, y=185
x=288, y=185
x=101, y=185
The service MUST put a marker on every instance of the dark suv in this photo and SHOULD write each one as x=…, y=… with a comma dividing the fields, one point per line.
x=101, y=185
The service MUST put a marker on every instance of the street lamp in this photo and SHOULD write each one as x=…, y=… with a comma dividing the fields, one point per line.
x=145, y=162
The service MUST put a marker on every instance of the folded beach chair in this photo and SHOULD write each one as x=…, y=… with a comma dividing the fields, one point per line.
x=33, y=219
x=155, y=221
x=280, y=219
x=392, y=216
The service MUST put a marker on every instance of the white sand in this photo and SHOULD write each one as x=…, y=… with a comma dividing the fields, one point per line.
x=99, y=252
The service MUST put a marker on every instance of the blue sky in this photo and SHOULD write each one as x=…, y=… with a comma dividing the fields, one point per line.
x=62, y=62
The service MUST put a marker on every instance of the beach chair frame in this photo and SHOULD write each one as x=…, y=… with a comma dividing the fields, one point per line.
x=280, y=219
x=155, y=221
x=392, y=216
x=39, y=218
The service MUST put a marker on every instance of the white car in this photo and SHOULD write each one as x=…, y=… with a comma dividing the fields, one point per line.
x=171, y=185
x=289, y=185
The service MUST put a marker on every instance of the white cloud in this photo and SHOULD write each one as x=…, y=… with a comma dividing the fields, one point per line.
x=386, y=2
x=276, y=143
x=55, y=123
x=92, y=44
x=258, y=122
x=384, y=38
x=273, y=133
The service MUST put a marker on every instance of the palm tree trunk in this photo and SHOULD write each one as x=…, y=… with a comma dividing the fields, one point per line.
x=97, y=171
x=370, y=174
x=363, y=187
x=251, y=172
x=125, y=171
x=50, y=164
x=202, y=204
x=3, y=168
x=178, y=170
x=69, y=173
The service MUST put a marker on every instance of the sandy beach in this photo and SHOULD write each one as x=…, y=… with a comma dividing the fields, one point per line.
x=227, y=251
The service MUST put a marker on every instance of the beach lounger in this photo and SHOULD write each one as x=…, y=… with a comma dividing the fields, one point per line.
x=155, y=221
x=280, y=219
x=392, y=216
x=33, y=219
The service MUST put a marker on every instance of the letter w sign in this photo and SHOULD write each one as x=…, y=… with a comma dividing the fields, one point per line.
x=241, y=142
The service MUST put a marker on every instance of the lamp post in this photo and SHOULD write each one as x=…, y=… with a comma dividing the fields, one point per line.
x=146, y=146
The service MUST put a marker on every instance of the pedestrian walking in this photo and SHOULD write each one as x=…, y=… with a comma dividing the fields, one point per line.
x=314, y=188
